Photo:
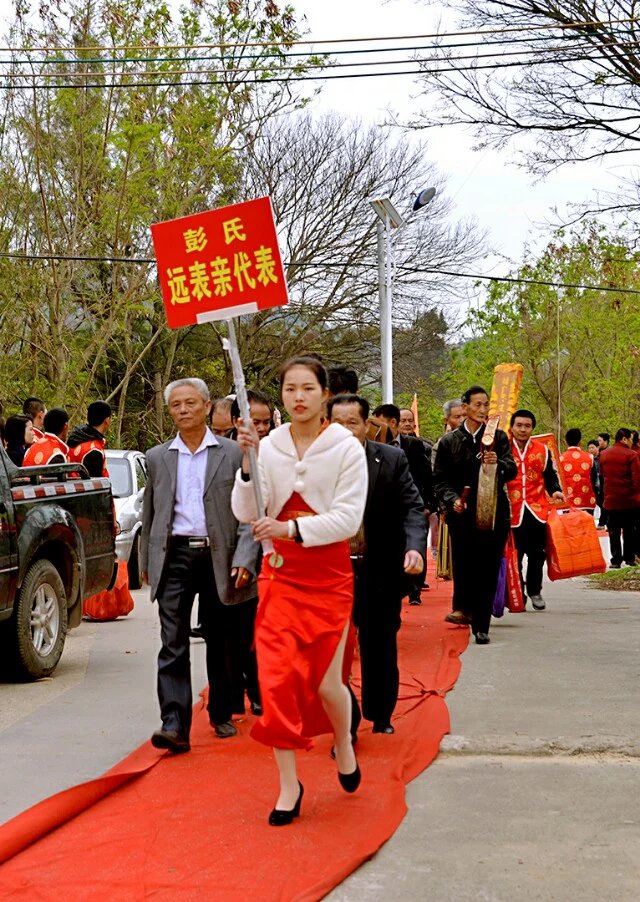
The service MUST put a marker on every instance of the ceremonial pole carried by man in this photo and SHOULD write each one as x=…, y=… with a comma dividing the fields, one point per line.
x=477, y=550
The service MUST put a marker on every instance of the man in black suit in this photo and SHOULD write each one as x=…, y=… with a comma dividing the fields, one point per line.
x=421, y=473
x=389, y=546
x=476, y=552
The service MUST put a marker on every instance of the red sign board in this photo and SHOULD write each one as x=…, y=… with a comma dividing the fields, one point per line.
x=220, y=264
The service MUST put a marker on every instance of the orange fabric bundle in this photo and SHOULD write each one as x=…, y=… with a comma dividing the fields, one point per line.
x=515, y=601
x=116, y=603
x=573, y=547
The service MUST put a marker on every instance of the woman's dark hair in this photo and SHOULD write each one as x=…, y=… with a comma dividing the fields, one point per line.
x=310, y=363
x=14, y=428
x=622, y=433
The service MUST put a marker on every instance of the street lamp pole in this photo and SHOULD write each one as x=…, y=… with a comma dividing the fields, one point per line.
x=388, y=219
x=385, y=293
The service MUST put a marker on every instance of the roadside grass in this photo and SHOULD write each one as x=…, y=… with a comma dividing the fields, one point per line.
x=626, y=579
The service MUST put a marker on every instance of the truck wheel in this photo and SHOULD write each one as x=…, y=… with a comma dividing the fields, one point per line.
x=133, y=566
x=40, y=619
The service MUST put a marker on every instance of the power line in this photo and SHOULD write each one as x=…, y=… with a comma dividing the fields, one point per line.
x=324, y=66
x=210, y=82
x=443, y=272
x=281, y=55
x=558, y=26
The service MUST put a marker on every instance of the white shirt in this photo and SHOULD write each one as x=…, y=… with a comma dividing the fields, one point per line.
x=189, y=518
x=472, y=434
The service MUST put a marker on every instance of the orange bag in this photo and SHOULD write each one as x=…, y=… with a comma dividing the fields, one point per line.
x=573, y=547
x=109, y=605
x=515, y=601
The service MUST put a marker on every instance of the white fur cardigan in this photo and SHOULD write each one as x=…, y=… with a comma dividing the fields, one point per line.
x=332, y=479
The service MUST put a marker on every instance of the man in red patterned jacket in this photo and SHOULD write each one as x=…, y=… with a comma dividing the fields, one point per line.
x=528, y=493
x=52, y=447
x=87, y=442
x=578, y=473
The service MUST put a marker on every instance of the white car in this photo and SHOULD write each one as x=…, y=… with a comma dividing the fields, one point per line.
x=128, y=474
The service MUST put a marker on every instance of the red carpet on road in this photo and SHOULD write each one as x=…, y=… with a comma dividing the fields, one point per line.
x=195, y=826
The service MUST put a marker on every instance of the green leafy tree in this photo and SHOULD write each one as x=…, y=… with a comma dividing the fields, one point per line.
x=110, y=125
x=584, y=341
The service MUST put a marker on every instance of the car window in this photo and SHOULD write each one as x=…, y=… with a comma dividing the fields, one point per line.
x=141, y=474
x=120, y=475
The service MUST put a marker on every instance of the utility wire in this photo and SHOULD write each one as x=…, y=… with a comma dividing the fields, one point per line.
x=325, y=67
x=280, y=80
x=280, y=55
x=426, y=271
x=515, y=29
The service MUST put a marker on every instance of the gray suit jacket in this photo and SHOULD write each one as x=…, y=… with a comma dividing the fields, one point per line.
x=232, y=543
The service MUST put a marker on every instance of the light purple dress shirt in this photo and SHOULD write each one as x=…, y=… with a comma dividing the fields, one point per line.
x=189, y=518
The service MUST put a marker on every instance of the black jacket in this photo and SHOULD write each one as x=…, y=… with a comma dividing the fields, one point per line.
x=458, y=465
x=419, y=467
x=394, y=520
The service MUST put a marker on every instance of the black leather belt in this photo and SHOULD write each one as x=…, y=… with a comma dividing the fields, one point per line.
x=191, y=541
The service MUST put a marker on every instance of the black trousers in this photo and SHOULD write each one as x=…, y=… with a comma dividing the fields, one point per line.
x=189, y=572
x=241, y=655
x=476, y=557
x=623, y=523
x=376, y=614
x=531, y=539
x=415, y=583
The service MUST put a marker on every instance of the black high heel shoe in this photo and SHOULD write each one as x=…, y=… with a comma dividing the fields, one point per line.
x=350, y=782
x=280, y=818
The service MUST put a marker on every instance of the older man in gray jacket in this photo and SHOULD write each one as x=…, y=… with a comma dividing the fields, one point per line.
x=192, y=544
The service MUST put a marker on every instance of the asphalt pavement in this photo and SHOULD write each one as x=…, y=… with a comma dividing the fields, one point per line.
x=534, y=794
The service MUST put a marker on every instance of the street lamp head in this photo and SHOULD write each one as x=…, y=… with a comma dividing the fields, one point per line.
x=423, y=198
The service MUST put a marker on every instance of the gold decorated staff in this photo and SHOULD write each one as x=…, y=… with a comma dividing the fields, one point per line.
x=505, y=393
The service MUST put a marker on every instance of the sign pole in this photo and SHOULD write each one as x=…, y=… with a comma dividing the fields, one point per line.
x=231, y=346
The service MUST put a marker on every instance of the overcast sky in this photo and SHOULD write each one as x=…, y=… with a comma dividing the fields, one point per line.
x=485, y=185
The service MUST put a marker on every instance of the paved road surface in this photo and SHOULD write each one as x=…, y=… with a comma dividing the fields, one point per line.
x=535, y=793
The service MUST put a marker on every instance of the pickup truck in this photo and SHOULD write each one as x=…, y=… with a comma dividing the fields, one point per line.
x=57, y=547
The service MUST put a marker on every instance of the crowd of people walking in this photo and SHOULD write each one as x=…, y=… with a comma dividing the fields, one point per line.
x=353, y=501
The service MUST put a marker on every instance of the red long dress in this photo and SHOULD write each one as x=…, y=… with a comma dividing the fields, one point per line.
x=304, y=607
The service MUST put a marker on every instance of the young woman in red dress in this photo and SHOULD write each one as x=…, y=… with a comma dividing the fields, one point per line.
x=314, y=482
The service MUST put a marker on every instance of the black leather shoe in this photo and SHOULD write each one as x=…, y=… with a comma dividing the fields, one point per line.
x=171, y=740
x=256, y=708
x=224, y=730
x=416, y=600
x=350, y=782
x=380, y=726
x=482, y=639
x=280, y=818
